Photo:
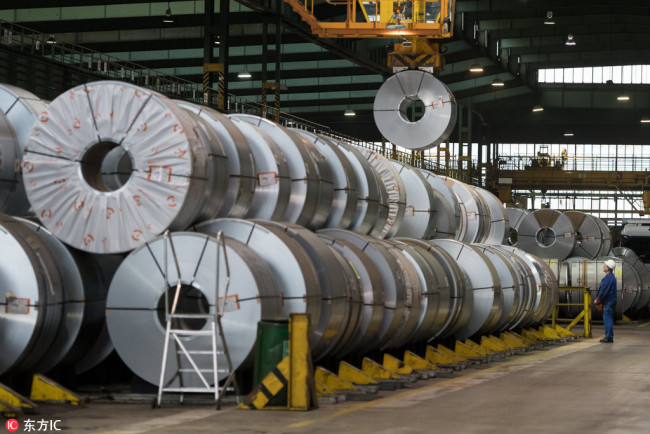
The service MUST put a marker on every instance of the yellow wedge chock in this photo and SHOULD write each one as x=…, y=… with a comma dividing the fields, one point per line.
x=44, y=389
x=396, y=365
x=549, y=332
x=377, y=371
x=436, y=357
x=333, y=381
x=418, y=363
x=13, y=403
x=354, y=375
x=484, y=352
x=465, y=351
x=457, y=358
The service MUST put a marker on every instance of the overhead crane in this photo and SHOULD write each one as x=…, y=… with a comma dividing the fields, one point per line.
x=418, y=23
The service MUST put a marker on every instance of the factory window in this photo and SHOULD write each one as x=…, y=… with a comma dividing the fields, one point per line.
x=621, y=74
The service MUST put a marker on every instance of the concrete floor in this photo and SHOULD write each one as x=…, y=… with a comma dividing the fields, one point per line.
x=571, y=388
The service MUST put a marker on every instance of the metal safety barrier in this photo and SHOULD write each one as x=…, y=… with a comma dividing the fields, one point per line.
x=584, y=315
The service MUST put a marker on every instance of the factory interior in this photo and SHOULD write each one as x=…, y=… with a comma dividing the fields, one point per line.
x=306, y=216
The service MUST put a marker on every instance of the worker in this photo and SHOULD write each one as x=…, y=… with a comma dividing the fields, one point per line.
x=607, y=297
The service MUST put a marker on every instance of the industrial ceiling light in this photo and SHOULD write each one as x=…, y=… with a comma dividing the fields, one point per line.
x=475, y=67
x=568, y=134
x=549, y=18
x=217, y=40
x=570, y=40
x=538, y=108
x=623, y=98
x=497, y=82
x=168, y=15
x=349, y=112
x=51, y=40
x=244, y=74
x=645, y=120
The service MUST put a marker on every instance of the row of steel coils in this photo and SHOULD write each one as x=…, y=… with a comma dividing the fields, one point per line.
x=581, y=242
x=108, y=167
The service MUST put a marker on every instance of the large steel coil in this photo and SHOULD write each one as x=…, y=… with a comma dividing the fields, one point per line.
x=18, y=111
x=336, y=305
x=52, y=299
x=293, y=270
x=484, y=285
x=545, y=286
x=137, y=301
x=372, y=294
x=346, y=190
x=312, y=185
x=241, y=164
x=547, y=233
x=273, y=190
x=419, y=216
x=449, y=220
x=515, y=217
x=499, y=225
x=592, y=238
x=394, y=100
x=456, y=302
x=394, y=186
x=509, y=280
x=174, y=177
x=392, y=280
x=476, y=210
x=372, y=208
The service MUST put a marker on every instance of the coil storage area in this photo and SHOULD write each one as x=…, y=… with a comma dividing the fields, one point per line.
x=129, y=202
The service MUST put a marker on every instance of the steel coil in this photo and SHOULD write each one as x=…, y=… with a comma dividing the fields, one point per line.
x=136, y=301
x=312, y=185
x=392, y=104
x=173, y=180
x=547, y=233
x=19, y=109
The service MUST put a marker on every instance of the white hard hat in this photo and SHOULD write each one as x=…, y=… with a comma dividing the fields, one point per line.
x=611, y=264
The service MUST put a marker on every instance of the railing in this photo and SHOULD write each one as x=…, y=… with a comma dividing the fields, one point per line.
x=584, y=315
x=110, y=67
x=593, y=163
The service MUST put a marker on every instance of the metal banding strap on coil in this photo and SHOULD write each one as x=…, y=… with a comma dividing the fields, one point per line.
x=241, y=165
x=419, y=216
x=19, y=109
x=392, y=103
x=547, y=233
x=136, y=301
x=171, y=168
x=394, y=188
x=293, y=271
x=312, y=186
x=273, y=180
x=346, y=190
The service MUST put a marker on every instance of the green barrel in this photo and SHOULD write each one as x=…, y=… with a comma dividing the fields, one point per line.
x=271, y=347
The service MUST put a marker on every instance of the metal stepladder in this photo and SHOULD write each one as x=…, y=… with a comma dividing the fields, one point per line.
x=176, y=334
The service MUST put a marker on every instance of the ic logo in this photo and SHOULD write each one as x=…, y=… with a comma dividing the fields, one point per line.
x=12, y=425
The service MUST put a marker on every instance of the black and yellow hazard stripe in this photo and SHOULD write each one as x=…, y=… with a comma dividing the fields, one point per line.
x=273, y=383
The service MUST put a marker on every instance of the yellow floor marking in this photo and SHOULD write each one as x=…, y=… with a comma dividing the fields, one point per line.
x=458, y=383
x=643, y=325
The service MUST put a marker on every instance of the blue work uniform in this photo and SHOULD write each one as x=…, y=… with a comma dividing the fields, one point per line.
x=607, y=296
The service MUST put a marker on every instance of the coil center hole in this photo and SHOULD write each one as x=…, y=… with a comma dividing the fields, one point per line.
x=106, y=166
x=545, y=237
x=412, y=109
x=190, y=301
